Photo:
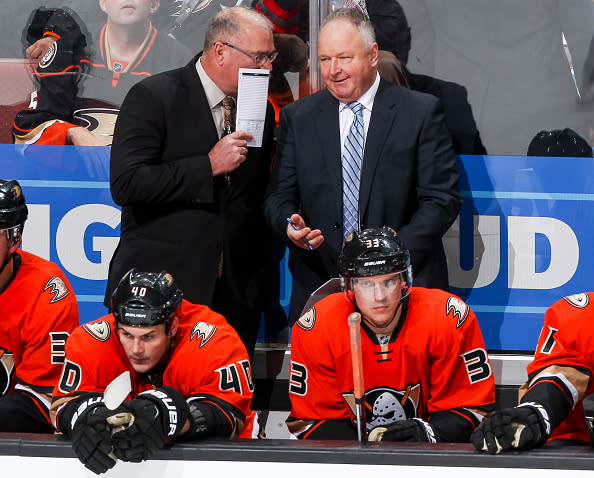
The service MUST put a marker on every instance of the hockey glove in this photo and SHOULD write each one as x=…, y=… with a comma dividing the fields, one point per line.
x=414, y=429
x=84, y=422
x=152, y=418
x=523, y=427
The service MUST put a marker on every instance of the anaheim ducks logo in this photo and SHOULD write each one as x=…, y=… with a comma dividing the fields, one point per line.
x=307, y=320
x=57, y=287
x=49, y=56
x=578, y=300
x=458, y=308
x=99, y=121
x=203, y=332
x=385, y=405
x=99, y=330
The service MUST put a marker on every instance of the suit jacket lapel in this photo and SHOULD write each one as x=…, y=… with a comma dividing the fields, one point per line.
x=198, y=110
x=383, y=115
x=328, y=132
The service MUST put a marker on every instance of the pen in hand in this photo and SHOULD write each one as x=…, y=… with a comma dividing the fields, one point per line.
x=309, y=246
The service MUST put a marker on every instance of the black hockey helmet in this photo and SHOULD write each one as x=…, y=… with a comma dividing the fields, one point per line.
x=13, y=210
x=144, y=299
x=373, y=252
x=559, y=143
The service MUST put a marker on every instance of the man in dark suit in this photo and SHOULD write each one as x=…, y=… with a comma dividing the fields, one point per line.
x=392, y=33
x=408, y=177
x=191, y=199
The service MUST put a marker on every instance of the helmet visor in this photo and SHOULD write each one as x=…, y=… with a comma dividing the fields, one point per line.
x=382, y=284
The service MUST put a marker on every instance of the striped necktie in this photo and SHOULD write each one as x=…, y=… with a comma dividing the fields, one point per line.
x=351, y=171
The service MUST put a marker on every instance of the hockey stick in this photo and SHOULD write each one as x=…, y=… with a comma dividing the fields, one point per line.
x=359, y=388
x=117, y=391
x=114, y=395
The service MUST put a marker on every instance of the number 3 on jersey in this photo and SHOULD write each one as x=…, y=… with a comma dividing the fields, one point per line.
x=298, y=379
x=477, y=365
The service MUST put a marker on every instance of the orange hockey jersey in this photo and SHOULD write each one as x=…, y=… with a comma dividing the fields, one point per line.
x=207, y=360
x=434, y=361
x=567, y=339
x=38, y=311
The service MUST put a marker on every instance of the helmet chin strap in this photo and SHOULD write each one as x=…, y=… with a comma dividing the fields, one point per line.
x=6, y=261
x=13, y=239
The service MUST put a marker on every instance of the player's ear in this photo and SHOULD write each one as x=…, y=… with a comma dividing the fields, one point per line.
x=174, y=326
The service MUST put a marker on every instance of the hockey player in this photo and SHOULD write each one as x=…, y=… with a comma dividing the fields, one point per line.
x=190, y=375
x=38, y=310
x=81, y=81
x=559, y=377
x=426, y=373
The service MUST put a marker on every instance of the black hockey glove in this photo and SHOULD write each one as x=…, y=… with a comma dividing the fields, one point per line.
x=523, y=427
x=84, y=422
x=413, y=429
x=147, y=422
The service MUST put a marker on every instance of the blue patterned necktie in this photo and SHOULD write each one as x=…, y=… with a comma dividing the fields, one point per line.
x=351, y=171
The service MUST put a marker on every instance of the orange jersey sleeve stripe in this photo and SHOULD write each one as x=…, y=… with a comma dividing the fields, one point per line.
x=465, y=417
x=311, y=430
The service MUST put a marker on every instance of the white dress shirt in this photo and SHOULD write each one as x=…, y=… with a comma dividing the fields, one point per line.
x=214, y=96
x=346, y=115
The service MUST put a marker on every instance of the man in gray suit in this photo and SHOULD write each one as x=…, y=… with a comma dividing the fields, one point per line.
x=407, y=177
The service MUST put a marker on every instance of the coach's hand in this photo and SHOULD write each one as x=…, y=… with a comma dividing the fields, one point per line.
x=229, y=152
x=303, y=236
x=91, y=436
x=519, y=428
x=413, y=429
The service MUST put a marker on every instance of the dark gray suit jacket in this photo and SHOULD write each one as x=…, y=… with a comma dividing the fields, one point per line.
x=175, y=215
x=409, y=181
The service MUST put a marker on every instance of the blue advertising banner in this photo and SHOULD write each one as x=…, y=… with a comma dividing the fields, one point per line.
x=72, y=218
x=520, y=243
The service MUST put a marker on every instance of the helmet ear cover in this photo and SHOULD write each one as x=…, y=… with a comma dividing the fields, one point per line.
x=13, y=234
x=145, y=299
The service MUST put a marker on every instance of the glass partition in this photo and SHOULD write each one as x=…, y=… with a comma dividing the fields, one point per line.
x=515, y=77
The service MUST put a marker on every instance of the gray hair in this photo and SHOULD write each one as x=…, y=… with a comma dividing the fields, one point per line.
x=358, y=19
x=227, y=24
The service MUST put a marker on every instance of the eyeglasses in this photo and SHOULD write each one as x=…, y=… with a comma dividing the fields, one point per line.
x=258, y=59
